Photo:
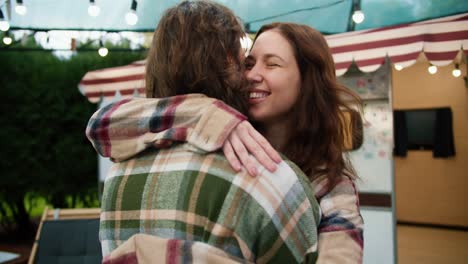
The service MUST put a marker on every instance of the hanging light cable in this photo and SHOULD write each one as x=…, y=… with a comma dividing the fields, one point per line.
x=93, y=9
x=20, y=8
x=7, y=40
x=131, y=17
x=456, y=72
x=4, y=25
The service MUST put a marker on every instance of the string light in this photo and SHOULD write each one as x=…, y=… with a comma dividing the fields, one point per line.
x=20, y=8
x=93, y=9
x=398, y=67
x=432, y=69
x=4, y=25
x=131, y=17
x=456, y=72
x=7, y=40
x=358, y=16
x=246, y=44
x=103, y=51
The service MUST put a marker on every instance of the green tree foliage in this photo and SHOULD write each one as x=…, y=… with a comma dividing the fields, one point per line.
x=43, y=118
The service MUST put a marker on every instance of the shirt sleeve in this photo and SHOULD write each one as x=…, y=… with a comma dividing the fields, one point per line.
x=291, y=233
x=341, y=227
x=125, y=128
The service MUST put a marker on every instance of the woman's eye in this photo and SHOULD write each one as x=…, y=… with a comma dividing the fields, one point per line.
x=248, y=65
x=272, y=64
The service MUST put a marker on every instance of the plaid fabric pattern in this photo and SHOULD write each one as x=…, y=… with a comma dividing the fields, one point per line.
x=122, y=129
x=179, y=194
x=144, y=249
x=341, y=227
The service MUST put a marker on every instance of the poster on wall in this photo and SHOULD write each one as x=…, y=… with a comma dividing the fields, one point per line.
x=378, y=131
x=369, y=86
x=373, y=161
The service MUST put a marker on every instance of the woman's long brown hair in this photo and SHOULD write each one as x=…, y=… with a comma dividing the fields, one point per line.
x=316, y=142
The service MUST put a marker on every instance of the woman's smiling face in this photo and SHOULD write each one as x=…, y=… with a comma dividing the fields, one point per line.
x=274, y=77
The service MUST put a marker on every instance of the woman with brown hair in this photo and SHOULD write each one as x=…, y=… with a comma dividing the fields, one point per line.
x=295, y=100
x=297, y=104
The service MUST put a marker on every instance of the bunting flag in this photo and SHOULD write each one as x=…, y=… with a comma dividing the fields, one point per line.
x=439, y=39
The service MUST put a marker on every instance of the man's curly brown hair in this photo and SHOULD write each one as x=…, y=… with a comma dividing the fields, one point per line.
x=196, y=49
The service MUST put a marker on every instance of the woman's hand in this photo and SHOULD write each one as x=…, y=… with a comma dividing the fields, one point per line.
x=245, y=140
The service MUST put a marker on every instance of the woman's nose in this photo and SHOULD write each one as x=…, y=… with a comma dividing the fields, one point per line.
x=254, y=75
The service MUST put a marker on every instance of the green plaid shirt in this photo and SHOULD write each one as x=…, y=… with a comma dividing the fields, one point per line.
x=177, y=193
x=123, y=129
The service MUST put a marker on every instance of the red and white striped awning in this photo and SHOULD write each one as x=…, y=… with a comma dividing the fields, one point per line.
x=440, y=40
x=126, y=80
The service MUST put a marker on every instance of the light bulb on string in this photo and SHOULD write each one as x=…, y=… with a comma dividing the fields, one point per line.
x=358, y=16
x=456, y=72
x=432, y=69
x=4, y=24
x=103, y=51
x=7, y=40
x=398, y=67
x=20, y=8
x=246, y=44
x=131, y=17
x=93, y=9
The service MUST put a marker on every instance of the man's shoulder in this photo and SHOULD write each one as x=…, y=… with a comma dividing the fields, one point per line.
x=176, y=158
x=296, y=169
x=302, y=177
x=291, y=178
